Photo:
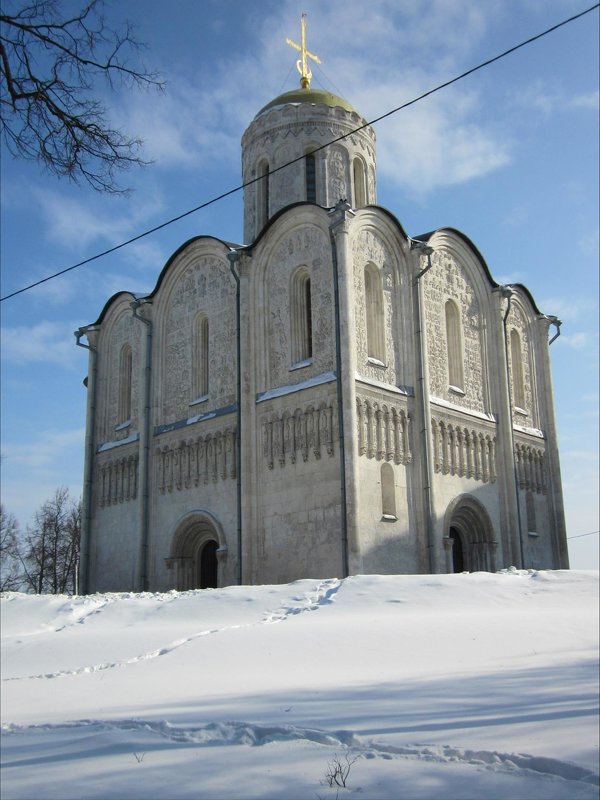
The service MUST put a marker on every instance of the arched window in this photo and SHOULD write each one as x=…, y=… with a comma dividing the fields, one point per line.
x=388, y=492
x=516, y=368
x=359, y=183
x=262, y=205
x=301, y=316
x=311, y=178
x=374, y=314
x=530, y=506
x=125, y=372
x=456, y=376
x=200, y=358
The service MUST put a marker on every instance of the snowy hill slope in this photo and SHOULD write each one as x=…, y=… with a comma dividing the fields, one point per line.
x=453, y=686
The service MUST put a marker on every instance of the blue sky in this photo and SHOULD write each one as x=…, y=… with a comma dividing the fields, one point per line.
x=509, y=156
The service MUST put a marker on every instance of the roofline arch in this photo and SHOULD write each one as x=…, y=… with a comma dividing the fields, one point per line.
x=425, y=238
x=229, y=246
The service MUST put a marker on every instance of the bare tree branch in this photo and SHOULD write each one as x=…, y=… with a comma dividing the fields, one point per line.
x=49, y=68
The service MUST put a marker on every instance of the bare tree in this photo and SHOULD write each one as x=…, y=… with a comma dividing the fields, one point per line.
x=10, y=579
x=49, y=552
x=50, y=62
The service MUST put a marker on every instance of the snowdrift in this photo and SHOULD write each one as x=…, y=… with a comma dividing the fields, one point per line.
x=440, y=686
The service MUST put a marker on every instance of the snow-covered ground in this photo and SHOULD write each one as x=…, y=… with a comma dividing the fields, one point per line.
x=453, y=687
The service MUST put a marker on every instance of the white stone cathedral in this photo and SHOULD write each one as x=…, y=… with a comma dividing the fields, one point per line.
x=333, y=397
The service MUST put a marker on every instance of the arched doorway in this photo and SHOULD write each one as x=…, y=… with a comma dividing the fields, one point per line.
x=458, y=559
x=207, y=565
x=195, y=553
x=470, y=537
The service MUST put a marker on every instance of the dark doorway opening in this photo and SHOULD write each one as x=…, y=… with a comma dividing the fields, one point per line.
x=458, y=559
x=208, y=565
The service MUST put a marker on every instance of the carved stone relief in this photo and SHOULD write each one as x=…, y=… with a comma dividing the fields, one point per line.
x=337, y=172
x=126, y=330
x=303, y=433
x=516, y=319
x=463, y=451
x=531, y=468
x=117, y=480
x=201, y=460
x=206, y=286
x=449, y=280
x=383, y=431
x=367, y=247
x=303, y=247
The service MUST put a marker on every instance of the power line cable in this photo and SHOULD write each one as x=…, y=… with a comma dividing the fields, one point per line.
x=300, y=158
x=580, y=535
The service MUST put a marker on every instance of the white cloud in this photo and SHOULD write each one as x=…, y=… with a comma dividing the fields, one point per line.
x=80, y=224
x=44, y=342
x=548, y=98
x=577, y=341
x=569, y=309
x=589, y=100
x=33, y=470
x=590, y=243
x=437, y=143
x=46, y=450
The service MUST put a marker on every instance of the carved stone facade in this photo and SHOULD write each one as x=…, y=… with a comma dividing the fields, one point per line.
x=333, y=397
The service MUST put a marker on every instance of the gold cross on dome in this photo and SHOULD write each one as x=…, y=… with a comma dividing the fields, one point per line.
x=302, y=63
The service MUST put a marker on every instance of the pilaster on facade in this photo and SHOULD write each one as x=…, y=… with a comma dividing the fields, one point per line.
x=425, y=500
x=340, y=225
x=511, y=528
x=546, y=395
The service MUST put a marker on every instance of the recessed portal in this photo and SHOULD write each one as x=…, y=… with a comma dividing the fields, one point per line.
x=458, y=561
x=193, y=557
x=207, y=565
x=472, y=536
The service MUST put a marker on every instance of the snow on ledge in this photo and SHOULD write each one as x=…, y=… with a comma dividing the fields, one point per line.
x=389, y=387
x=317, y=380
x=439, y=401
x=531, y=431
x=133, y=437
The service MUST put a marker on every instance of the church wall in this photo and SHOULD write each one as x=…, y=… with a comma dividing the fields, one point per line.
x=300, y=244
x=537, y=532
x=115, y=514
x=194, y=468
x=386, y=482
x=118, y=329
x=298, y=492
x=521, y=318
x=199, y=283
x=373, y=250
x=387, y=545
x=456, y=280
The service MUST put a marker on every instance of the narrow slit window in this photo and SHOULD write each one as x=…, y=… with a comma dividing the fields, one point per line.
x=516, y=364
x=125, y=375
x=374, y=314
x=454, y=346
x=358, y=175
x=263, y=194
x=388, y=493
x=301, y=317
x=311, y=179
x=200, y=358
